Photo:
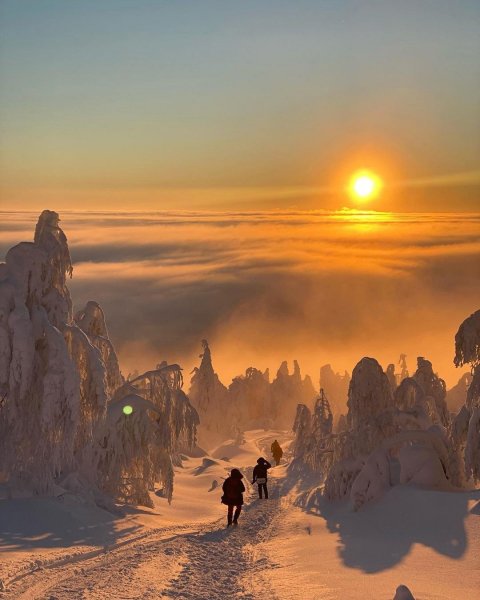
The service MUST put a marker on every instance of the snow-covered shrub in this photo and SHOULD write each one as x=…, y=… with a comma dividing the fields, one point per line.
x=129, y=456
x=422, y=457
x=341, y=477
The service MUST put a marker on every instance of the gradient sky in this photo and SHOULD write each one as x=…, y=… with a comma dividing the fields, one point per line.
x=201, y=104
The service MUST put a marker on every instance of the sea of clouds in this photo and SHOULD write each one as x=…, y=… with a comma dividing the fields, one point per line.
x=267, y=286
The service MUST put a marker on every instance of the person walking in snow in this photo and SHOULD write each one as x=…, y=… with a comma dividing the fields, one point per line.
x=277, y=452
x=233, y=489
x=260, y=476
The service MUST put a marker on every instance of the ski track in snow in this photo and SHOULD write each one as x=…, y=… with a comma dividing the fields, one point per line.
x=213, y=563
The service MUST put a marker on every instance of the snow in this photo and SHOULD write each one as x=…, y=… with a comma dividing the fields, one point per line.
x=382, y=506
x=321, y=550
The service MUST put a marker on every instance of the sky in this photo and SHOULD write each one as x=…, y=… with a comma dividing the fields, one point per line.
x=266, y=286
x=199, y=152
x=227, y=105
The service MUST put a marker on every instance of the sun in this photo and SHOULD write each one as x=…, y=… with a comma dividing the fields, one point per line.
x=365, y=185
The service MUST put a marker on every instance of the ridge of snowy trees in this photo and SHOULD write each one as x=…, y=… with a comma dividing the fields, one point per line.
x=251, y=400
x=63, y=421
x=397, y=429
x=62, y=395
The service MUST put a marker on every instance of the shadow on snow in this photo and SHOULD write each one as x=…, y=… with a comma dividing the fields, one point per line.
x=381, y=534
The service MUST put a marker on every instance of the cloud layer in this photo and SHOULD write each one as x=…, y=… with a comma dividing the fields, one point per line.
x=267, y=286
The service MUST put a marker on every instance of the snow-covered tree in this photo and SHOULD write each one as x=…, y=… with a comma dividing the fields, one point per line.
x=384, y=431
x=211, y=399
x=335, y=386
x=302, y=429
x=91, y=320
x=369, y=394
x=392, y=377
x=312, y=431
x=402, y=361
x=322, y=422
x=57, y=375
x=147, y=421
x=457, y=395
x=435, y=391
x=129, y=457
x=163, y=387
x=39, y=381
x=288, y=390
x=466, y=426
x=251, y=394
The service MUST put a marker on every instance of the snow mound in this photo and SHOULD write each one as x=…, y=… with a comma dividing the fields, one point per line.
x=403, y=593
x=206, y=464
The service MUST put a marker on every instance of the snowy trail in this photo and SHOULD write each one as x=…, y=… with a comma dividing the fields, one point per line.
x=278, y=550
x=201, y=561
x=212, y=563
x=224, y=563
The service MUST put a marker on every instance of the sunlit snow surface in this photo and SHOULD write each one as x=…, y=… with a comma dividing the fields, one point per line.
x=316, y=286
x=426, y=540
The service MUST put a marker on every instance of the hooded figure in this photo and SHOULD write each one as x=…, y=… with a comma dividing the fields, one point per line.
x=260, y=476
x=277, y=452
x=233, y=489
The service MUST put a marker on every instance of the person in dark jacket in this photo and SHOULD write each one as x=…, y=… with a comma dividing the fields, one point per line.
x=260, y=476
x=277, y=452
x=233, y=489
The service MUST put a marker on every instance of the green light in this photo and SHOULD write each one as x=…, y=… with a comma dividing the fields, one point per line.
x=127, y=409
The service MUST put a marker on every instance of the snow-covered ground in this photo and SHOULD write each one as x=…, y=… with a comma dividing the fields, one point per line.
x=59, y=549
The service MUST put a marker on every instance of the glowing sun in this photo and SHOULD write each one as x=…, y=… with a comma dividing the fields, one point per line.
x=365, y=185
